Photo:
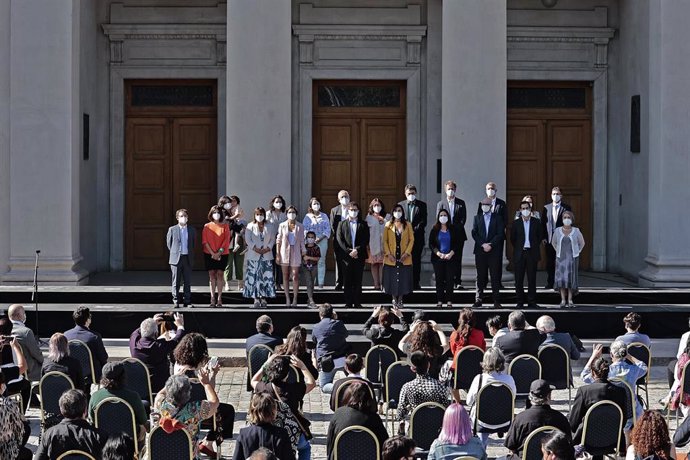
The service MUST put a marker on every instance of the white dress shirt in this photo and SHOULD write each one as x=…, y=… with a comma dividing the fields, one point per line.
x=353, y=231
x=487, y=222
x=525, y=224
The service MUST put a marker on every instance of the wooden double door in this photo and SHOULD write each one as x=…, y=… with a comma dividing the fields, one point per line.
x=359, y=142
x=549, y=143
x=170, y=162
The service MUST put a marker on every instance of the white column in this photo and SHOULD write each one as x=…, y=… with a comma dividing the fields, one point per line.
x=44, y=141
x=668, y=253
x=4, y=135
x=473, y=113
x=259, y=99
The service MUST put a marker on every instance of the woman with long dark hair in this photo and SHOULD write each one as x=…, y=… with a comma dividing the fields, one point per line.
x=296, y=344
x=427, y=337
x=275, y=215
x=398, y=240
x=215, y=239
x=442, y=240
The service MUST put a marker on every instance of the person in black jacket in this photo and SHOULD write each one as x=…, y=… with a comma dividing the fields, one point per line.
x=488, y=232
x=353, y=237
x=359, y=408
x=457, y=212
x=519, y=339
x=383, y=333
x=415, y=210
x=526, y=237
x=498, y=207
x=443, y=240
x=262, y=432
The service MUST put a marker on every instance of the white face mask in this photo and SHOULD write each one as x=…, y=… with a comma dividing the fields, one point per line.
x=278, y=205
x=292, y=216
x=259, y=218
x=567, y=222
x=377, y=209
x=397, y=215
x=182, y=220
x=450, y=193
x=411, y=197
x=310, y=240
x=344, y=201
x=556, y=197
x=443, y=219
x=486, y=207
x=352, y=213
x=315, y=207
x=490, y=193
x=216, y=216
x=525, y=212
x=227, y=206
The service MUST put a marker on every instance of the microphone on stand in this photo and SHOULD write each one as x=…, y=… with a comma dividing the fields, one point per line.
x=34, y=298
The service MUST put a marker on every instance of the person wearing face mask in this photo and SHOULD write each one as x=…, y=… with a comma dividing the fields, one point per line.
x=498, y=206
x=415, y=210
x=234, y=217
x=258, y=277
x=180, y=240
x=457, y=216
x=376, y=220
x=398, y=243
x=311, y=260
x=339, y=214
x=352, y=237
x=215, y=239
x=488, y=232
x=526, y=236
x=552, y=218
x=567, y=242
x=317, y=221
x=275, y=215
x=442, y=242
x=289, y=252
x=534, y=213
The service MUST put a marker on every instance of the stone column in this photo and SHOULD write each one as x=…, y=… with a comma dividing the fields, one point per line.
x=44, y=141
x=4, y=135
x=474, y=103
x=259, y=106
x=668, y=253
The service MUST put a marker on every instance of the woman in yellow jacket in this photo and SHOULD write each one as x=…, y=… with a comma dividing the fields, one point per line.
x=398, y=240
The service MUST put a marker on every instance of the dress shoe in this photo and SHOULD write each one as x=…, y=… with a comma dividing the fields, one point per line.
x=477, y=304
x=520, y=305
x=359, y=305
x=348, y=305
x=533, y=305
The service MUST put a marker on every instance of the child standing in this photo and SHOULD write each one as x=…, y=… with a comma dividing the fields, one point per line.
x=310, y=264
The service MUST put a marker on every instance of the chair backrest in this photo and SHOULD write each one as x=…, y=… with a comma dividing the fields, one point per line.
x=340, y=392
x=257, y=356
x=685, y=380
x=115, y=416
x=138, y=378
x=397, y=375
x=495, y=407
x=468, y=364
x=602, y=428
x=174, y=446
x=531, y=450
x=642, y=352
x=51, y=386
x=466, y=457
x=629, y=411
x=425, y=423
x=82, y=353
x=555, y=365
x=356, y=442
x=524, y=369
x=76, y=455
x=377, y=361
x=294, y=375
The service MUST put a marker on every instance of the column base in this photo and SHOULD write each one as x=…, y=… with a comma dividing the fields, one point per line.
x=51, y=270
x=665, y=273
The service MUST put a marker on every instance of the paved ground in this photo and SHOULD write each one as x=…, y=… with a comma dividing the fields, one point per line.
x=231, y=388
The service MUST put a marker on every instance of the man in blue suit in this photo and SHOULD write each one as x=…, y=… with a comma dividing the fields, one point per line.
x=81, y=331
x=180, y=240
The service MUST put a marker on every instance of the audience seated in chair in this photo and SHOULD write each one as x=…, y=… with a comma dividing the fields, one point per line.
x=264, y=334
x=558, y=446
x=119, y=448
x=27, y=340
x=496, y=326
x=13, y=364
x=262, y=431
x=379, y=328
x=632, y=322
x=82, y=331
x=398, y=448
x=114, y=384
x=296, y=344
x=59, y=360
x=456, y=438
x=538, y=415
x=650, y=437
x=547, y=327
x=422, y=389
x=73, y=432
x=145, y=345
x=429, y=338
x=353, y=368
x=15, y=430
x=520, y=339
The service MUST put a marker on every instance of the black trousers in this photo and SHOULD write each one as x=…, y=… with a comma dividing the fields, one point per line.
x=352, y=281
x=417, y=249
x=488, y=262
x=225, y=416
x=182, y=271
x=550, y=264
x=444, y=272
x=457, y=258
x=22, y=387
x=339, y=267
x=525, y=263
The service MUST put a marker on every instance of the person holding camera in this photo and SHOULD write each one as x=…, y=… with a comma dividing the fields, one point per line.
x=330, y=336
x=379, y=327
x=12, y=362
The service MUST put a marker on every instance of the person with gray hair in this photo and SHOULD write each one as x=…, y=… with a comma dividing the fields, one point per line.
x=521, y=339
x=146, y=346
x=27, y=341
x=538, y=415
x=493, y=367
x=547, y=327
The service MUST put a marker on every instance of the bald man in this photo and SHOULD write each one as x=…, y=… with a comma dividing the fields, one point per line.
x=26, y=339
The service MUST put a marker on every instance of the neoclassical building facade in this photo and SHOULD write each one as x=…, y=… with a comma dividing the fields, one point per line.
x=114, y=113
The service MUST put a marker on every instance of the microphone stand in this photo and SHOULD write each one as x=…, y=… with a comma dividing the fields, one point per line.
x=34, y=298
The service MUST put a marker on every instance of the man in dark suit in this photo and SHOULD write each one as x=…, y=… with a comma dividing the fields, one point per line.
x=81, y=331
x=551, y=219
x=415, y=212
x=488, y=231
x=352, y=238
x=458, y=216
x=518, y=340
x=526, y=238
x=180, y=240
x=264, y=336
x=498, y=206
x=338, y=214
x=27, y=340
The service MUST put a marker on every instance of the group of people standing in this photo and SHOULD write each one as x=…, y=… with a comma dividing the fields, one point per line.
x=268, y=249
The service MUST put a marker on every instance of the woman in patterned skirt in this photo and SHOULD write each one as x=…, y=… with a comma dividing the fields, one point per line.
x=568, y=243
x=258, y=279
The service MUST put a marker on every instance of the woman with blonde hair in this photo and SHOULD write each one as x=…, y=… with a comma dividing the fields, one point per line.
x=262, y=432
